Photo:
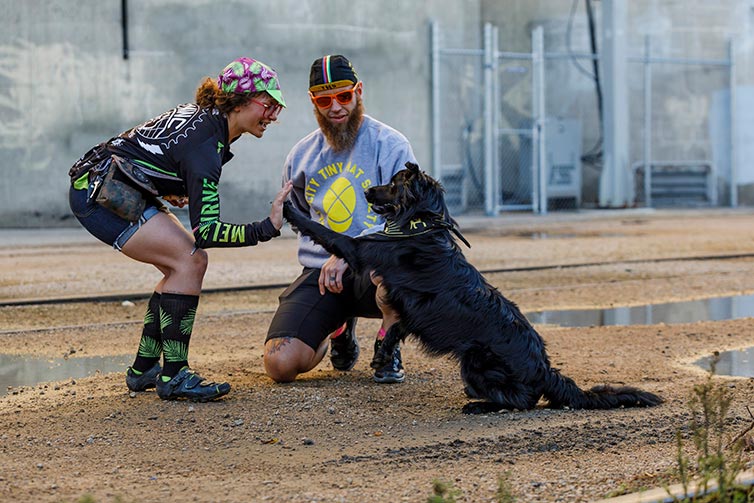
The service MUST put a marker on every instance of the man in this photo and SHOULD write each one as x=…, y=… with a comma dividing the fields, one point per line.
x=330, y=169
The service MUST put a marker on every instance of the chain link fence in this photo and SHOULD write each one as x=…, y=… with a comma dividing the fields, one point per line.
x=523, y=132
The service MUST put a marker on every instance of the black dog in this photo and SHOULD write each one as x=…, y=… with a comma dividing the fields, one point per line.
x=446, y=303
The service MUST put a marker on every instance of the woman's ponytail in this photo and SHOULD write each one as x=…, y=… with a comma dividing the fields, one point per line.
x=206, y=92
x=208, y=95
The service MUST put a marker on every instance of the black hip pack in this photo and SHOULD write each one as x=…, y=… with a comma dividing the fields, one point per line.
x=121, y=187
x=94, y=157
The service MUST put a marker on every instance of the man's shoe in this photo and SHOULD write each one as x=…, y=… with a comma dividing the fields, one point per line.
x=188, y=384
x=392, y=371
x=344, y=349
x=143, y=381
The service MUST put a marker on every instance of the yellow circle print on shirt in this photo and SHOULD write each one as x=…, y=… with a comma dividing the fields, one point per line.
x=339, y=203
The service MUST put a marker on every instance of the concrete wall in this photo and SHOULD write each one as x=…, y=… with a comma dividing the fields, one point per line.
x=65, y=85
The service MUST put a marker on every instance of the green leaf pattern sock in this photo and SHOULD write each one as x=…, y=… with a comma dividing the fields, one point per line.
x=177, y=315
x=150, y=344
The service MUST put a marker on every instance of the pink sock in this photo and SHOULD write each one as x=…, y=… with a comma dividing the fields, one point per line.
x=339, y=331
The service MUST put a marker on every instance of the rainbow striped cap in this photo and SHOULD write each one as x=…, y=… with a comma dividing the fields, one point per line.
x=329, y=72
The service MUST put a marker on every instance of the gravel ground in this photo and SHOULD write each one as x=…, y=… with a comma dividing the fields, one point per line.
x=333, y=436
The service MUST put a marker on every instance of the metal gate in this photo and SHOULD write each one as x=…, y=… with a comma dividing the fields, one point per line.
x=468, y=143
x=497, y=146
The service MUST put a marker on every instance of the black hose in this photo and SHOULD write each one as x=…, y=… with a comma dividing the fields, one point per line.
x=124, y=26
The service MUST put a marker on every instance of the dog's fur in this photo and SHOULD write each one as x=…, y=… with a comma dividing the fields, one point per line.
x=446, y=303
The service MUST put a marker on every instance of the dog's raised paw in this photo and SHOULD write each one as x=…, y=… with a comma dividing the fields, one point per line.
x=290, y=213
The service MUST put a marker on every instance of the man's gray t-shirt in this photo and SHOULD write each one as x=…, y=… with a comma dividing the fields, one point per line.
x=330, y=186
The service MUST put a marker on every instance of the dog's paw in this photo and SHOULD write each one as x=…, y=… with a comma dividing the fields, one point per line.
x=288, y=211
x=481, y=407
x=381, y=358
x=469, y=392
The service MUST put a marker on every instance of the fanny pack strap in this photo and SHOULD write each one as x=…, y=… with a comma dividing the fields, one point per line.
x=135, y=175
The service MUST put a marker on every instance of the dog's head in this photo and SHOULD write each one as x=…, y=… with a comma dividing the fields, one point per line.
x=410, y=193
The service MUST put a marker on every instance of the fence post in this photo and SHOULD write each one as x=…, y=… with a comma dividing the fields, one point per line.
x=489, y=125
x=647, y=124
x=733, y=142
x=434, y=31
x=497, y=188
x=539, y=138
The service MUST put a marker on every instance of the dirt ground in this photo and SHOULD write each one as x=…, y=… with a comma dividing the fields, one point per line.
x=337, y=436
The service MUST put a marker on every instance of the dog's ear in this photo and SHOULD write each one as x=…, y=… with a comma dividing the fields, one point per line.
x=414, y=168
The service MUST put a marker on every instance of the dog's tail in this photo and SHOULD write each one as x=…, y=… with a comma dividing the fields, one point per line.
x=561, y=391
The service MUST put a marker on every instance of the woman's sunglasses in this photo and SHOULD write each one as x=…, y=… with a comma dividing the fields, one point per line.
x=343, y=97
x=269, y=110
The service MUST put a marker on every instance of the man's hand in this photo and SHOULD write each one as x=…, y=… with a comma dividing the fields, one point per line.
x=331, y=275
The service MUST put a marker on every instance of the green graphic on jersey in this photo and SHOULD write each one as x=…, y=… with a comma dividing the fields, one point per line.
x=149, y=347
x=165, y=319
x=210, y=203
x=148, y=317
x=155, y=168
x=339, y=204
x=211, y=229
x=175, y=351
x=187, y=323
x=220, y=146
x=223, y=233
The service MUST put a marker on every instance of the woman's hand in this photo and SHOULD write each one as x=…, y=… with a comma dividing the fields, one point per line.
x=276, y=213
x=331, y=275
x=174, y=200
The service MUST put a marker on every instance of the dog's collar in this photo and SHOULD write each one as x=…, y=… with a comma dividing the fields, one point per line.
x=415, y=227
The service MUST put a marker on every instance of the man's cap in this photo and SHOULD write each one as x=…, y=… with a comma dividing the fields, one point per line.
x=329, y=72
x=246, y=75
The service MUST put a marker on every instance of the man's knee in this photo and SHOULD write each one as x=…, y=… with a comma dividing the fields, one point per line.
x=285, y=358
x=279, y=369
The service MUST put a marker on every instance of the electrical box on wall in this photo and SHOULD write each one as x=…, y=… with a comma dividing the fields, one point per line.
x=563, y=159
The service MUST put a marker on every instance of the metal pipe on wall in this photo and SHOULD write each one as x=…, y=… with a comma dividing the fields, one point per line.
x=124, y=26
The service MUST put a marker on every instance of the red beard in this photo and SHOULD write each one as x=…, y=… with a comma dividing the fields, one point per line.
x=342, y=137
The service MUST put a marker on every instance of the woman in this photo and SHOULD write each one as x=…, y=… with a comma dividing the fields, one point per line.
x=178, y=156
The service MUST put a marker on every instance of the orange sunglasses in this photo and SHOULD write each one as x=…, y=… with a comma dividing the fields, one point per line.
x=343, y=97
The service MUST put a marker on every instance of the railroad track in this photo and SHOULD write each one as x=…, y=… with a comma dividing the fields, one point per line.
x=122, y=296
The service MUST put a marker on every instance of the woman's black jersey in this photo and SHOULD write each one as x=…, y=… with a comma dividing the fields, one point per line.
x=183, y=151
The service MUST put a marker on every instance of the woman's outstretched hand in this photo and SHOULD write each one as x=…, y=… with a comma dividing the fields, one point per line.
x=276, y=213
